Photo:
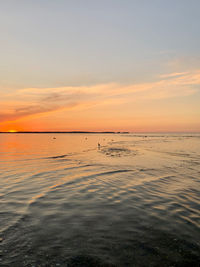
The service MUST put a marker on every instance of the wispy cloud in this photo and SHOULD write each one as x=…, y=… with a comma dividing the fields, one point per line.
x=35, y=101
x=173, y=75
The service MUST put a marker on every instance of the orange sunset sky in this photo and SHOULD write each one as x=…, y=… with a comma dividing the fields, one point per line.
x=100, y=66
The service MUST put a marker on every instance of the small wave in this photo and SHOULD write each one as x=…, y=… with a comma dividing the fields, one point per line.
x=88, y=177
x=59, y=156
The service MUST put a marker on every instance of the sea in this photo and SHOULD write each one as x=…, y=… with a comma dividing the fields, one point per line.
x=132, y=200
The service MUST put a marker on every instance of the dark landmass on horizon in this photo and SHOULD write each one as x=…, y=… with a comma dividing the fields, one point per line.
x=57, y=132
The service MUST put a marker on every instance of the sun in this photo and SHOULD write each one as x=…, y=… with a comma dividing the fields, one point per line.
x=12, y=131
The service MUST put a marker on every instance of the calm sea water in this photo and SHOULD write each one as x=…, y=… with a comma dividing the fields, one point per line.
x=135, y=201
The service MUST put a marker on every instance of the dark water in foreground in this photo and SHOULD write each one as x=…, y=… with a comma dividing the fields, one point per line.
x=133, y=202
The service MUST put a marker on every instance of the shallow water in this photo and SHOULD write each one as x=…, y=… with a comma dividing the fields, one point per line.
x=135, y=201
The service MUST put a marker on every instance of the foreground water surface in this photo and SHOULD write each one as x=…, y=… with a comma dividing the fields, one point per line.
x=134, y=201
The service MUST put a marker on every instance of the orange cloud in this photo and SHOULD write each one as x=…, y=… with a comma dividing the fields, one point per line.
x=29, y=102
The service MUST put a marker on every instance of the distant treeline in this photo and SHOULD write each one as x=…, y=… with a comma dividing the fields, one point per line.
x=66, y=132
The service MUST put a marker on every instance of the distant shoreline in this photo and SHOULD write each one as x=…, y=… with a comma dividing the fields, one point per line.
x=78, y=132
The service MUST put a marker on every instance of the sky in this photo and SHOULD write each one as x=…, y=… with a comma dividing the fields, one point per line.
x=109, y=65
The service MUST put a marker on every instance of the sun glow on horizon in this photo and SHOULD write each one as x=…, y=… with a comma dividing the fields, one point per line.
x=12, y=131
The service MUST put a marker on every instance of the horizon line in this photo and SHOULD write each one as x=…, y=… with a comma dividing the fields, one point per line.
x=95, y=132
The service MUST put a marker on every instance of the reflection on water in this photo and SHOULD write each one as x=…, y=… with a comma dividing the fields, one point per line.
x=133, y=201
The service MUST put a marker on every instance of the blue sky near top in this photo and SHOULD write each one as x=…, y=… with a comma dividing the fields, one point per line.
x=84, y=42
